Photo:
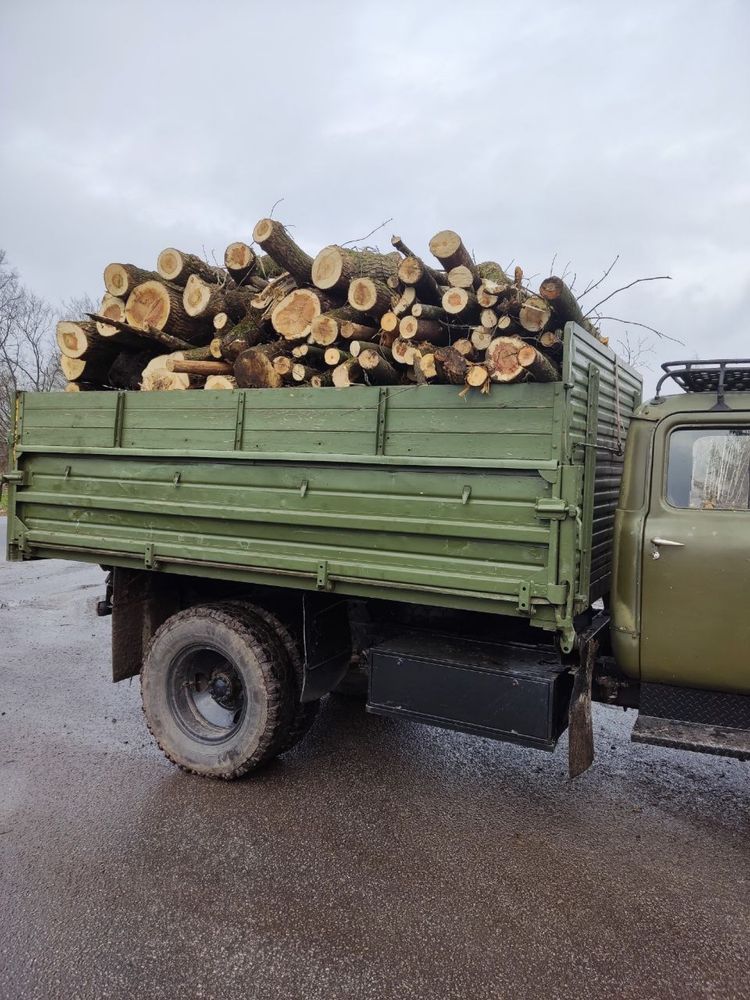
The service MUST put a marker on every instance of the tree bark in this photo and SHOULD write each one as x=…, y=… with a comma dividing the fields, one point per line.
x=411, y=328
x=422, y=311
x=187, y=367
x=282, y=249
x=254, y=368
x=565, y=307
x=85, y=370
x=292, y=317
x=177, y=266
x=336, y=267
x=346, y=374
x=370, y=296
x=335, y=356
x=376, y=368
x=310, y=353
x=321, y=379
x=450, y=251
x=127, y=370
x=452, y=366
x=414, y=273
x=240, y=261
x=358, y=331
x=539, y=366
x=326, y=328
x=121, y=279
x=134, y=339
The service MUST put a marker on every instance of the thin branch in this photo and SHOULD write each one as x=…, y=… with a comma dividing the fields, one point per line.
x=590, y=287
x=630, y=322
x=375, y=230
x=656, y=277
x=273, y=207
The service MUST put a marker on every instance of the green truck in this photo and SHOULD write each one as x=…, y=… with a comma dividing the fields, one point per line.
x=489, y=564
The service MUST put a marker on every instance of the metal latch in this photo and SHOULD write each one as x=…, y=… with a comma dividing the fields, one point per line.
x=554, y=508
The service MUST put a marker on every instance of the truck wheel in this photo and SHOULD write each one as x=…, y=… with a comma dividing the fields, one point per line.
x=218, y=691
x=305, y=713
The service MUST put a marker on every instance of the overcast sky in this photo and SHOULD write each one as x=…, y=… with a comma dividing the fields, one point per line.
x=581, y=129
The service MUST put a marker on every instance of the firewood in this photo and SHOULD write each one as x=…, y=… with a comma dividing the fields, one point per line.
x=78, y=339
x=293, y=316
x=121, y=279
x=402, y=303
x=461, y=302
x=535, y=314
x=402, y=248
x=539, y=366
x=321, y=379
x=423, y=311
x=303, y=373
x=376, y=368
x=312, y=353
x=450, y=251
x=565, y=307
x=403, y=351
x=221, y=322
x=369, y=295
x=414, y=273
x=477, y=377
x=552, y=344
x=465, y=348
x=336, y=267
x=202, y=298
x=488, y=319
x=84, y=370
x=137, y=337
x=357, y=347
x=389, y=321
x=158, y=306
x=283, y=365
x=177, y=266
x=412, y=328
x=462, y=277
x=485, y=299
x=240, y=261
x=481, y=338
x=126, y=371
x=254, y=368
x=502, y=359
x=82, y=387
x=220, y=382
x=185, y=367
x=279, y=245
x=155, y=375
x=327, y=328
x=336, y=356
x=346, y=374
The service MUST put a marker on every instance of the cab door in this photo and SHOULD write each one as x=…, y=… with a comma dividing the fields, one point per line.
x=695, y=597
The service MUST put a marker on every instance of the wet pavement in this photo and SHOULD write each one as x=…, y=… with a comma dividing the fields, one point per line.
x=380, y=859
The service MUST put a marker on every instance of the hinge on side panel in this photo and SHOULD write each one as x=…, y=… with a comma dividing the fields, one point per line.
x=17, y=477
x=322, y=581
x=149, y=559
x=381, y=415
x=524, y=596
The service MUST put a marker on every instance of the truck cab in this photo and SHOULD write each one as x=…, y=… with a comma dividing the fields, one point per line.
x=681, y=562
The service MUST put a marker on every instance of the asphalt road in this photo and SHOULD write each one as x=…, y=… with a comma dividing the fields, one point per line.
x=380, y=859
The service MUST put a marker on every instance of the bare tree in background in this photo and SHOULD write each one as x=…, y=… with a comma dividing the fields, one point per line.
x=28, y=356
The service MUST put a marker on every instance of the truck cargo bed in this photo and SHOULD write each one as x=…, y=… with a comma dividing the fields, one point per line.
x=501, y=502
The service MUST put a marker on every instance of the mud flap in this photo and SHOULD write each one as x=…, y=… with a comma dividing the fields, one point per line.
x=580, y=725
x=141, y=602
x=327, y=643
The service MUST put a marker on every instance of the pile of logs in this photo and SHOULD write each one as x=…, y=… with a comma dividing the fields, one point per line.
x=345, y=317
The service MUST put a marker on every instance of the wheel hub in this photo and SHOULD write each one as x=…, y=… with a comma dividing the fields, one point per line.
x=223, y=689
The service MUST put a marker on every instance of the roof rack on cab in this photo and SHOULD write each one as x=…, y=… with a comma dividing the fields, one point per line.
x=719, y=375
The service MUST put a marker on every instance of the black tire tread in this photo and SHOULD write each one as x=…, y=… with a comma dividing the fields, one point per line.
x=277, y=673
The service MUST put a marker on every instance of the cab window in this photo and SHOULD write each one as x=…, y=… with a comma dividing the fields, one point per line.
x=709, y=468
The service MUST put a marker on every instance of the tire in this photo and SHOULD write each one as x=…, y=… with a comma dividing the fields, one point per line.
x=305, y=713
x=218, y=691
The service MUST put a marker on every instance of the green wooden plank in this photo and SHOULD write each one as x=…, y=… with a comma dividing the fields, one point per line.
x=495, y=421
x=506, y=446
